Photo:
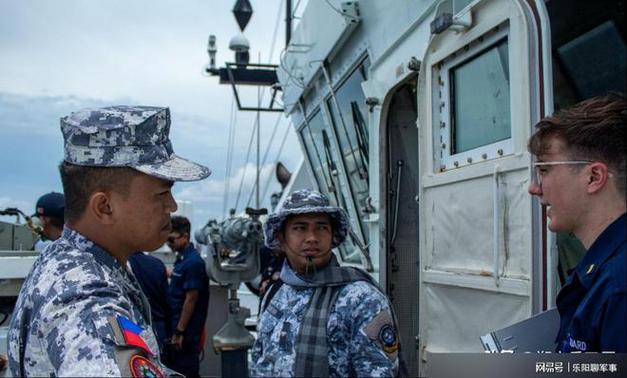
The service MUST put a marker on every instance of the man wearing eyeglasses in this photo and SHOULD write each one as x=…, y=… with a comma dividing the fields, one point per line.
x=580, y=178
x=188, y=296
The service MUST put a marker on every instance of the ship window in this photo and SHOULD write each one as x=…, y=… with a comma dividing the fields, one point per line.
x=480, y=97
x=322, y=156
x=475, y=114
x=349, y=119
x=323, y=167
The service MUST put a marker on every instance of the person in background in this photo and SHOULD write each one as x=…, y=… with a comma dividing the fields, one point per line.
x=50, y=210
x=188, y=296
x=580, y=177
x=153, y=279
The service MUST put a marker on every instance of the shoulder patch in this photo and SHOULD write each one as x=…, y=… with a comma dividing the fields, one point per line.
x=142, y=367
x=381, y=330
x=127, y=333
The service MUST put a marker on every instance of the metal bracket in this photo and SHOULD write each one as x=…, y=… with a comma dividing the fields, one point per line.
x=253, y=74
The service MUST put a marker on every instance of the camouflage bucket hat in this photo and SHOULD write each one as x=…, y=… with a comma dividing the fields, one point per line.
x=305, y=202
x=127, y=136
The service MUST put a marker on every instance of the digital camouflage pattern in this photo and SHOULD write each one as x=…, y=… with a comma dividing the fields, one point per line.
x=354, y=349
x=62, y=316
x=306, y=201
x=127, y=136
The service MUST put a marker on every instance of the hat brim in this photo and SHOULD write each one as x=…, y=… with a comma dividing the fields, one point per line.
x=176, y=169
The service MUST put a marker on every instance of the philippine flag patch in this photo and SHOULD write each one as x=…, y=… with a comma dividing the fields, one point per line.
x=131, y=333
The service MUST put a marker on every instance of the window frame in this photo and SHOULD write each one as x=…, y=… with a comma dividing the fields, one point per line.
x=442, y=99
x=359, y=67
x=336, y=196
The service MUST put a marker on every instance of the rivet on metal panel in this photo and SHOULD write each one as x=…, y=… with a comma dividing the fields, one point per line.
x=456, y=164
x=485, y=156
x=469, y=160
x=372, y=102
x=444, y=146
x=414, y=64
x=500, y=152
x=442, y=125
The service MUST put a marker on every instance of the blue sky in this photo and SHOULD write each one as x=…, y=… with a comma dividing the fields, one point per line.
x=64, y=55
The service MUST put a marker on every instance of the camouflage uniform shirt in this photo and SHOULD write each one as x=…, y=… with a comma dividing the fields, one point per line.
x=63, y=314
x=353, y=349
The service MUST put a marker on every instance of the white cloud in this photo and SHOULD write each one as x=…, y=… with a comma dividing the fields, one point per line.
x=152, y=51
x=59, y=56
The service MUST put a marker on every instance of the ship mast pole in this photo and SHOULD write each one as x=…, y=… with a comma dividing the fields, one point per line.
x=258, y=144
x=288, y=22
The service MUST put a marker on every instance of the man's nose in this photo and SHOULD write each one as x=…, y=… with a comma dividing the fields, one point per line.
x=311, y=235
x=171, y=204
x=535, y=189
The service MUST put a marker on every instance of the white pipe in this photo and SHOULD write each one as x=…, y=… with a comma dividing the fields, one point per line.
x=496, y=230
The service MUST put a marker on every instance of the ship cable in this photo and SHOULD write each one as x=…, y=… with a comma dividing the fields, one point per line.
x=229, y=156
x=260, y=97
x=265, y=154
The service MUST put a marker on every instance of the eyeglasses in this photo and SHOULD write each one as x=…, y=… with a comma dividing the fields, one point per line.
x=539, y=171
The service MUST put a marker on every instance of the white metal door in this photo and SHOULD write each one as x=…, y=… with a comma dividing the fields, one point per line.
x=477, y=99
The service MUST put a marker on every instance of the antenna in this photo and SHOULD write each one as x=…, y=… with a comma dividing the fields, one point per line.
x=242, y=72
x=212, y=50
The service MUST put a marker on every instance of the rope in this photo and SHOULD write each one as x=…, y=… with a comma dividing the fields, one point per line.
x=250, y=143
x=265, y=154
x=260, y=97
x=276, y=159
x=229, y=156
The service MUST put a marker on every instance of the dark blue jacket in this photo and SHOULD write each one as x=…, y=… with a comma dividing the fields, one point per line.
x=189, y=273
x=593, y=302
x=153, y=279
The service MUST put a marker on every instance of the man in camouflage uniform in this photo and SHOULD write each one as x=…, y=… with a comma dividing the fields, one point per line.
x=324, y=320
x=80, y=311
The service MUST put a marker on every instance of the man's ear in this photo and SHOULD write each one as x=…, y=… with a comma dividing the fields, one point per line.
x=598, y=176
x=100, y=207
